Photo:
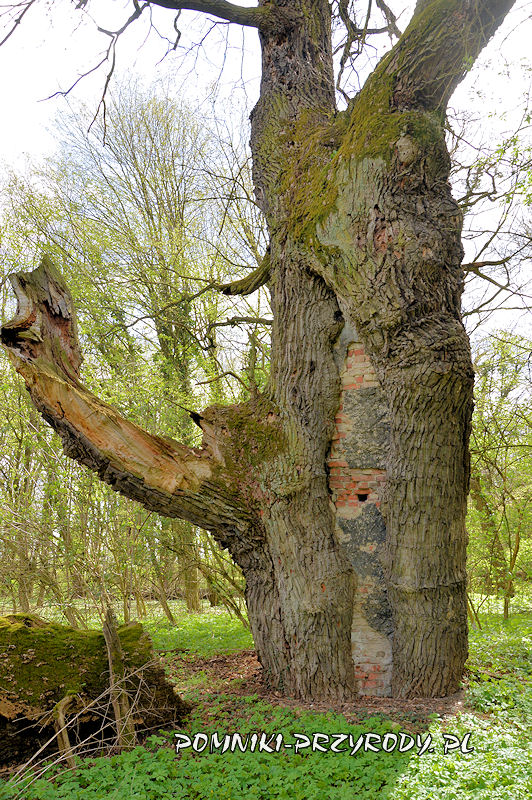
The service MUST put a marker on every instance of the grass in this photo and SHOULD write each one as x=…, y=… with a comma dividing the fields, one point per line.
x=497, y=715
x=203, y=635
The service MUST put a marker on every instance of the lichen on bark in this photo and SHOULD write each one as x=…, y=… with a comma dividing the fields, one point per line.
x=363, y=227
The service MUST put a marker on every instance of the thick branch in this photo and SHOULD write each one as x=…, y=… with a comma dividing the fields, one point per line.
x=439, y=46
x=253, y=281
x=267, y=18
x=162, y=474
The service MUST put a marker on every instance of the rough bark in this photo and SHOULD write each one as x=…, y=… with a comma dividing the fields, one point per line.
x=397, y=228
x=244, y=468
x=371, y=188
x=363, y=231
x=165, y=476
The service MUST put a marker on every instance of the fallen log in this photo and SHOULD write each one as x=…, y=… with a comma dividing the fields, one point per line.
x=51, y=672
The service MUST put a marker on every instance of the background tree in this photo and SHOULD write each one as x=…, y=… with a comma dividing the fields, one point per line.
x=65, y=537
x=499, y=522
x=491, y=175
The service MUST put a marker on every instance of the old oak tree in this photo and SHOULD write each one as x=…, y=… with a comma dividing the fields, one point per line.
x=341, y=491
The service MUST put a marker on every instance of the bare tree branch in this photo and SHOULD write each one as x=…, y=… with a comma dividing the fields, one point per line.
x=240, y=321
x=18, y=20
x=267, y=17
x=390, y=17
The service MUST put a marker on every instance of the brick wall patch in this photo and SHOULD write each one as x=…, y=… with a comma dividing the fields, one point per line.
x=357, y=476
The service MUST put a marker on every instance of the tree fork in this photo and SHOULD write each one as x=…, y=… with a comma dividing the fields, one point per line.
x=365, y=196
x=364, y=231
x=241, y=485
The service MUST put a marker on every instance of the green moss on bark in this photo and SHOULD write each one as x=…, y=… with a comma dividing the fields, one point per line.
x=376, y=121
x=374, y=129
x=45, y=667
x=251, y=433
x=41, y=662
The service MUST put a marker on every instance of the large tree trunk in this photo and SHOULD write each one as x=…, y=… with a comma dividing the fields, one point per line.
x=371, y=376
x=403, y=251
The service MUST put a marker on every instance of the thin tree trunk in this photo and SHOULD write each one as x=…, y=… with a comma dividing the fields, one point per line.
x=184, y=545
x=125, y=728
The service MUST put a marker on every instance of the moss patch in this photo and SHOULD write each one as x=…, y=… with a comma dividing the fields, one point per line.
x=369, y=129
x=41, y=662
x=251, y=433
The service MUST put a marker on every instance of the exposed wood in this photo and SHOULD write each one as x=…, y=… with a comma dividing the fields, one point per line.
x=60, y=724
x=118, y=680
x=50, y=674
x=162, y=474
x=363, y=229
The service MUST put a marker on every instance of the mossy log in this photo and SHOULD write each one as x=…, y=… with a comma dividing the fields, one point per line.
x=41, y=663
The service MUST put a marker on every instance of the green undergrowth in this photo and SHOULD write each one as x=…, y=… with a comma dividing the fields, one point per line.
x=499, y=766
x=500, y=670
x=494, y=729
x=201, y=635
x=502, y=648
x=154, y=771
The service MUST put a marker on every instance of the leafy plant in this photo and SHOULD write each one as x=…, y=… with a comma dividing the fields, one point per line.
x=500, y=690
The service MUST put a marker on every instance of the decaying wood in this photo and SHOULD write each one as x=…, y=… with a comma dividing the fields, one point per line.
x=118, y=680
x=165, y=476
x=51, y=674
x=61, y=729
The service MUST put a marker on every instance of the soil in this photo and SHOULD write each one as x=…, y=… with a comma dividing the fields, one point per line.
x=240, y=674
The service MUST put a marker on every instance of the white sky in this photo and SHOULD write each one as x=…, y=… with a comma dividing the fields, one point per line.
x=51, y=50
x=55, y=44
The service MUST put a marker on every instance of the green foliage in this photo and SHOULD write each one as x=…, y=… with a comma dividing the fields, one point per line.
x=201, y=635
x=500, y=667
x=498, y=717
x=498, y=768
x=500, y=511
x=502, y=648
x=500, y=692
x=143, y=229
x=238, y=776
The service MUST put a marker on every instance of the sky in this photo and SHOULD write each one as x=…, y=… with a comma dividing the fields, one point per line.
x=56, y=44
x=53, y=47
x=50, y=51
